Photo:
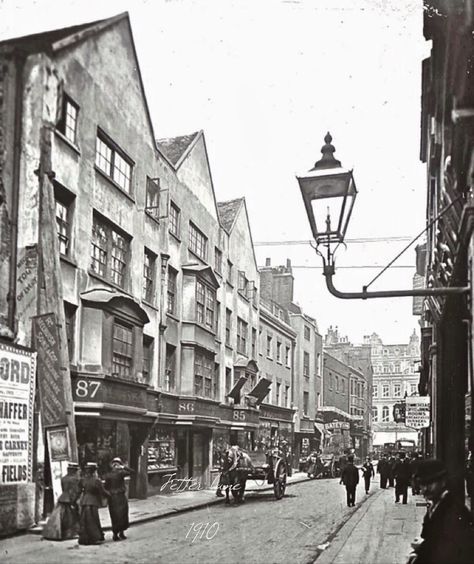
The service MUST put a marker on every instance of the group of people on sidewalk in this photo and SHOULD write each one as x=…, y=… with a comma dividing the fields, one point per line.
x=77, y=510
x=399, y=473
x=396, y=472
x=447, y=535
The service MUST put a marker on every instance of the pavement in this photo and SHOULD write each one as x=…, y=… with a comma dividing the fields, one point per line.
x=379, y=531
x=157, y=506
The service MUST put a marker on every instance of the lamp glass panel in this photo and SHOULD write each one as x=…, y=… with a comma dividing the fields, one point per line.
x=324, y=207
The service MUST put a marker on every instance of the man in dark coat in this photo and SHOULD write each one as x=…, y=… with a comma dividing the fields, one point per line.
x=402, y=474
x=350, y=478
x=415, y=486
x=118, y=503
x=383, y=470
x=392, y=461
x=447, y=535
x=63, y=522
x=368, y=472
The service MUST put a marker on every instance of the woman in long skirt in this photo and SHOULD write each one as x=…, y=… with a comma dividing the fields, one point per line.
x=90, y=529
x=118, y=503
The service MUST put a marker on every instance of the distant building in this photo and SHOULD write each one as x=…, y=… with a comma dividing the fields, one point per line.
x=277, y=285
x=359, y=366
x=395, y=377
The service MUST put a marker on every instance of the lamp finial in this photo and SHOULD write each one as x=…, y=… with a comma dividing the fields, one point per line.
x=327, y=160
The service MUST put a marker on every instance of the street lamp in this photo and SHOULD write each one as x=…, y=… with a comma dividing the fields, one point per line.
x=329, y=194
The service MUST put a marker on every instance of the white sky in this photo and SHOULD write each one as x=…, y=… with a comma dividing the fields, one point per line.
x=265, y=80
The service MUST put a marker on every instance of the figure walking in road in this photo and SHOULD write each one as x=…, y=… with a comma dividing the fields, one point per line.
x=63, y=522
x=447, y=534
x=402, y=474
x=368, y=473
x=118, y=503
x=350, y=478
x=90, y=530
x=384, y=470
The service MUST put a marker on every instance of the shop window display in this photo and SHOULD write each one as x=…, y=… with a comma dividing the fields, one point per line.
x=161, y=451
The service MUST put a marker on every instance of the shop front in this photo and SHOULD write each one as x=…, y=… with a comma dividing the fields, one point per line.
x=114, y=418
x=307, y=440
x=184, y=441
x=275, y=431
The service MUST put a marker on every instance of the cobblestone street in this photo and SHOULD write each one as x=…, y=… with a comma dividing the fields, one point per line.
x=299, y=528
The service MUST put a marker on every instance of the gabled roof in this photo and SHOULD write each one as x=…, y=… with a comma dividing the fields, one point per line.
x=228, y=212
x=175, y=149
x=59, y=38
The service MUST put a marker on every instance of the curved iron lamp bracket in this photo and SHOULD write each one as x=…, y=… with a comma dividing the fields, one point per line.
x=329, y=271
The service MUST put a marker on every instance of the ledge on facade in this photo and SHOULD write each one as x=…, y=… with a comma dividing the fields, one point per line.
x=113, y=298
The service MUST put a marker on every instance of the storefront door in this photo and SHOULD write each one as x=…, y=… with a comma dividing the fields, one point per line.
x=200, y=456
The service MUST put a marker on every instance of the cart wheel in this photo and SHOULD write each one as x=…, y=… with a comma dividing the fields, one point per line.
x=279, y=485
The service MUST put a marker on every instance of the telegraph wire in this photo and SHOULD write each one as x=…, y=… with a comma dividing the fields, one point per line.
x=354, y=266
x=355, y=240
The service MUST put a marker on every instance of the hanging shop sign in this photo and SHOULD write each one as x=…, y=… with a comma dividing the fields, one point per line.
x=343, y=425
x=399, y=412
x=50, y=375
x=417, y=414
x=17, y=392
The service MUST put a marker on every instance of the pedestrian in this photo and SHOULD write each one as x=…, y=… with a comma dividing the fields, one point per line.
x=350, y=478
x=402, y=474
x=447, y=534
x=118, y=503
x=63, y=523
x=92, y=490
x=368, y=473
x=415, y=486
x=392, y=461
x=383, y=469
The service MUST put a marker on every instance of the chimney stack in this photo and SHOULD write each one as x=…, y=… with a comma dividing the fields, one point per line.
x=268, y=262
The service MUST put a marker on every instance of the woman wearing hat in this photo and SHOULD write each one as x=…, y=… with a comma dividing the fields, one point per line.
x=63, y=522
x=118, y=503
x=90, y=530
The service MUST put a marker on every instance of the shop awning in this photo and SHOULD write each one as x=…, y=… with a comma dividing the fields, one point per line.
x=235, y=392
x=261, y=390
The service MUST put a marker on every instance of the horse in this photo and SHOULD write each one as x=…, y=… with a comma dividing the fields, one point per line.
x=235, y=469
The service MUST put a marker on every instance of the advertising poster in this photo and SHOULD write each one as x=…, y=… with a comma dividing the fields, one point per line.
x=17, y=389
x=418, y=412
x=50, y=376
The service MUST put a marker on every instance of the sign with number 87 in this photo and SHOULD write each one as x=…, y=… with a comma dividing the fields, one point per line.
x=86, y=389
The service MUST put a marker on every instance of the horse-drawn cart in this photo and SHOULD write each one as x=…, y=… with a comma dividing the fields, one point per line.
x=270, y=467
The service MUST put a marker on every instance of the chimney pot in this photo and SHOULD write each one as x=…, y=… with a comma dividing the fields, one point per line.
x=288, y=263
x=268, y=262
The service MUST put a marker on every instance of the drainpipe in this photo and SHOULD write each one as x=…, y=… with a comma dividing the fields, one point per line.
x=19, y=58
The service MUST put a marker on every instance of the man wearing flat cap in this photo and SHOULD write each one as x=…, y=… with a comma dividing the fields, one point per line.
x=447, y=534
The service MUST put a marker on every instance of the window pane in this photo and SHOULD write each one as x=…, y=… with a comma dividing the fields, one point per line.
x=62, y=227
x=119, y=250
x=70, y=121
x=103, y=156
x=122, y=172
x=99, y=249
x=122, y=351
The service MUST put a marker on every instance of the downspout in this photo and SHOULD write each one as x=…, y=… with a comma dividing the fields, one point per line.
x=19, y=57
